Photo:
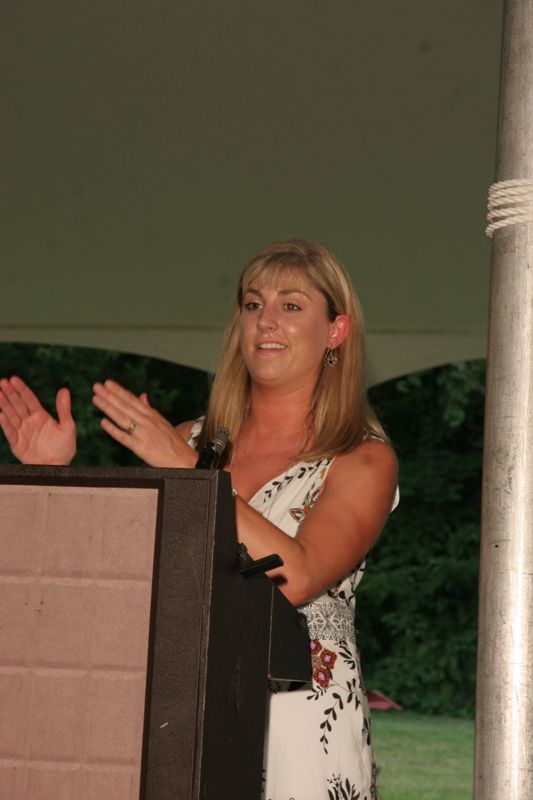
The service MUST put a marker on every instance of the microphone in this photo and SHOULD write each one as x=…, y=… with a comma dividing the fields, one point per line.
x=210, y=454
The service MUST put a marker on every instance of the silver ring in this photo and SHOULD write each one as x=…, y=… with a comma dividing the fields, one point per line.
x=132, y=427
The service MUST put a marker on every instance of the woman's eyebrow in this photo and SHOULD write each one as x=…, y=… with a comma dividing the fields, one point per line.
x=295, y=291
x=282, y=292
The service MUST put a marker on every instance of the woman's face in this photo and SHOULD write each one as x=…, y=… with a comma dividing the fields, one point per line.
x=285, y=330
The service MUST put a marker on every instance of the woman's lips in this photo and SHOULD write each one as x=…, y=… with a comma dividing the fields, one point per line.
x=276, y=346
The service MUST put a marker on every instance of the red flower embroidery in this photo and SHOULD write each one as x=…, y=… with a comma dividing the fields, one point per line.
x=328, y=658
x=322, y=676
x=323, y=661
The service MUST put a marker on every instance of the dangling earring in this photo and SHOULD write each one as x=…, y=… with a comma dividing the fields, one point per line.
x=330, y=358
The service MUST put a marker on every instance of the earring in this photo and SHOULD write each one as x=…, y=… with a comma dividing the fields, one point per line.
x=330, y=358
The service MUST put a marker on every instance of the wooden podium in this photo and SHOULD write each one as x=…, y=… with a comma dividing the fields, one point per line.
x=134, y=655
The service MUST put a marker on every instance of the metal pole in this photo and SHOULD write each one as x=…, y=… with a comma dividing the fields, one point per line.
x=504, y=702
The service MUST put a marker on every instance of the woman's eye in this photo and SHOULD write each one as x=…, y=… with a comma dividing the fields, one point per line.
x=292, y=307
x=252, y=305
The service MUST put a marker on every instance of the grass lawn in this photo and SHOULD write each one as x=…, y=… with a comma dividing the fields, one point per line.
x=423, y=758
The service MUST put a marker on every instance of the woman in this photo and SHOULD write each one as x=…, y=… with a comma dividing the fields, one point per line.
x=314, y=480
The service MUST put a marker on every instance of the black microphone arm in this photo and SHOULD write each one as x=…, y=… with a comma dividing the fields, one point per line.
x=209, y=456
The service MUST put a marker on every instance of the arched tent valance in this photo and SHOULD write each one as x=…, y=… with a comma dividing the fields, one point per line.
x=150, y=149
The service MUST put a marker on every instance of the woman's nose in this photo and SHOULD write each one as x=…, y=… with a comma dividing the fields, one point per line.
x=267, y=320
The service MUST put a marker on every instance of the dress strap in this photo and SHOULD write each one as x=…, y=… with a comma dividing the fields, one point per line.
x=195, y=431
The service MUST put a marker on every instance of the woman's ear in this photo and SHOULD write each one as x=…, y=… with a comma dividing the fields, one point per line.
x=340, y=328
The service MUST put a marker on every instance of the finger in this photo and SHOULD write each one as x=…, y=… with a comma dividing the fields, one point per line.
x=123, y=401
x=29, y=398
x=10, y=432
x=117, y=416
x=120, y=392
x=119, y=435
x=14, y=399
x=64, y=406
x=9, y=410
x=143, y=397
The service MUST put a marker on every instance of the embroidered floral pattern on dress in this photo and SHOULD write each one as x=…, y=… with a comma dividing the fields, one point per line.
x=322, y=663
x=329, y=619
x=297, y=473
x=299, y=514
x=341, y=694
x=343, y=789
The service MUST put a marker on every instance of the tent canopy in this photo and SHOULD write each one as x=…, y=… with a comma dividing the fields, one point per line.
x=150, y=149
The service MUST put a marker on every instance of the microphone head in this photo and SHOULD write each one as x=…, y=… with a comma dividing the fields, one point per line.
x=220, y=440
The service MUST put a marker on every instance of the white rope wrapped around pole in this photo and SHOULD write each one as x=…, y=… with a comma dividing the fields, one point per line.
x=510, y=202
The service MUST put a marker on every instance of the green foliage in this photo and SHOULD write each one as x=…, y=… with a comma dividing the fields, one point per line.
x=417, y=607
x=179, y=393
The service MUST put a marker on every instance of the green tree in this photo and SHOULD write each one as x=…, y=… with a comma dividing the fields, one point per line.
x=417, y=607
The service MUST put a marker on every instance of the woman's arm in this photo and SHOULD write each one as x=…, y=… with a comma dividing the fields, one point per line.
x=338, y=532
x=336, y=535
x=33, y=435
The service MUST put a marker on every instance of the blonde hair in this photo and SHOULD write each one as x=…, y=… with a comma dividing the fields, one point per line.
x=340, y=416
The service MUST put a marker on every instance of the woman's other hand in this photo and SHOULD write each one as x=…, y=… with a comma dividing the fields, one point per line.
x=134, y=423
x=34, y=436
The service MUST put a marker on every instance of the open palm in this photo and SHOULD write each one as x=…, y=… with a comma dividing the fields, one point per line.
x=34, y=436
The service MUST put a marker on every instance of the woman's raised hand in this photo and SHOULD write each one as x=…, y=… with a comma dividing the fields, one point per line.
x=133, y=422
x=34, y=436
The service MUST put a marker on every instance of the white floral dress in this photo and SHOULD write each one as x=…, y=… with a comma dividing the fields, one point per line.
x=317, y=742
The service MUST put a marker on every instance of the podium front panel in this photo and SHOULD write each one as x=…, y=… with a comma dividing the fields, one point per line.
x=75, y=592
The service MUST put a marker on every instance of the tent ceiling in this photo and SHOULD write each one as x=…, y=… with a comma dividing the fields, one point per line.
x=152, y=148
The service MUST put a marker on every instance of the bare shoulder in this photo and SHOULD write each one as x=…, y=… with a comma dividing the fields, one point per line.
x=371, y=467
x=356, y=500
x=372, y=454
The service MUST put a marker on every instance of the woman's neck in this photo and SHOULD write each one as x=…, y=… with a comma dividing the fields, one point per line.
x=278, y=415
